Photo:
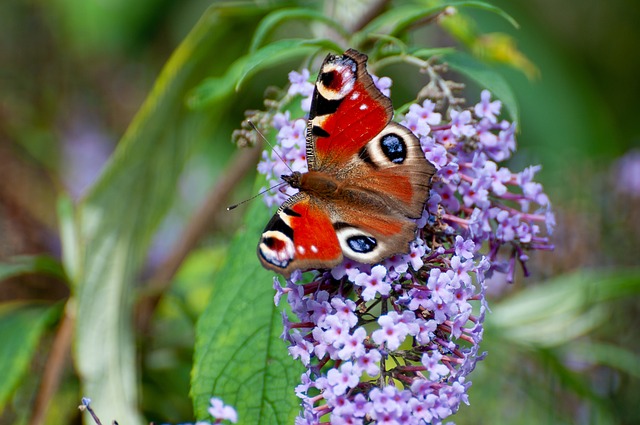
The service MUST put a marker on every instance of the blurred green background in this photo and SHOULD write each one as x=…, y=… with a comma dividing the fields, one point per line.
x=73, y=75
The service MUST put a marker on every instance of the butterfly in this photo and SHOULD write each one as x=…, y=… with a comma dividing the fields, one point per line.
x=368, y=178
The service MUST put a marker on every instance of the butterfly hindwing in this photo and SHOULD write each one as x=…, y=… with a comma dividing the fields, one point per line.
x=369, y=232
x=308, y=233
x=300, y=235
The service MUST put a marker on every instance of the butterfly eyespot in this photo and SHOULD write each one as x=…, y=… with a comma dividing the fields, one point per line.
x=336, y=79
x=394, y=148
x=357, y=244
x=270, y=243
x=327, y=79
x=273, y=243
x=276, y=249
x=362, y=244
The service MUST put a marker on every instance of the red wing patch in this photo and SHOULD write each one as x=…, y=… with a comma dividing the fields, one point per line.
x=347, y=111
x=314, y=238
x=299, y=236
x=358, y=119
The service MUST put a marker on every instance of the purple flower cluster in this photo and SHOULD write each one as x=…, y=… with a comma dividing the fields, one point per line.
x=472, y=195
x=393, y=343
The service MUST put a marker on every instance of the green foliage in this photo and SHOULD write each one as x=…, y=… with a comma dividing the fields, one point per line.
x=543, y=340
x=278, y=51
x=116, y=220
x=562, y=310
x=39, y=264
x=215, y=89
x=485, y=77
x=21, y=326
x=278, y=17
x=239, y=354
x=398, y=20
x=168, y=360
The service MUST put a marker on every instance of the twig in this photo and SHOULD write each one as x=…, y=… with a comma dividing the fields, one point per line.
x=86, y=405
x=54, y=367
x=204, y=219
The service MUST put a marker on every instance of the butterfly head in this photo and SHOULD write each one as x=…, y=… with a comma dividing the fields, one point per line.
x=294, y=179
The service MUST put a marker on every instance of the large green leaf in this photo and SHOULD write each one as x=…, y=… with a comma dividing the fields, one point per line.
x=21, y=326
x=214, y=89
x=563, y=309
x=279, y=51
x=117, y=219
x=486, y=77
x=535, y=355
x=610, y=355
x=406, y=20
x=239, y=356
x=69, y=238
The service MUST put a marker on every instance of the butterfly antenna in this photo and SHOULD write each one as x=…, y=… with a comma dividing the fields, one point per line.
x=268, y=143
x=229, y=208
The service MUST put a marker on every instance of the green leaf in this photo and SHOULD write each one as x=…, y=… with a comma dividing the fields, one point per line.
x=390, y=17
x=398, y=19
x=39, y=264
x=117, y=219
x=21, y=326
x=279, y=51
x=486, y=77
x=277, y=17
x=239, y=356
x=429, y=53
x=609, y=355
x=487, y=7
x=561, y=310
x=216, y=89
x=533, y=352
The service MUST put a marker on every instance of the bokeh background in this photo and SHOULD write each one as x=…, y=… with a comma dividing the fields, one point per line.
x=74, y=73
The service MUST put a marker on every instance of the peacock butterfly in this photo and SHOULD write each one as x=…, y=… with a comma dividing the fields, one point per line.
x=367, y=179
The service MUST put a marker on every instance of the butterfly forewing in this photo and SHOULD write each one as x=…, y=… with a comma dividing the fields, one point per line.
x=347, y=111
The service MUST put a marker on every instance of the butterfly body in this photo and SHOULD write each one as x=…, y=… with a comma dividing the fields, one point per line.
x=367, y=180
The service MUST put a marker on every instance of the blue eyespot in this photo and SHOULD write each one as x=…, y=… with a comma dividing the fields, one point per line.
x=394, y=148
x=362, y=244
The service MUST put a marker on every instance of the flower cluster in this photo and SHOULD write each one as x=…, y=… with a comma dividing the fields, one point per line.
x=393, y=343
